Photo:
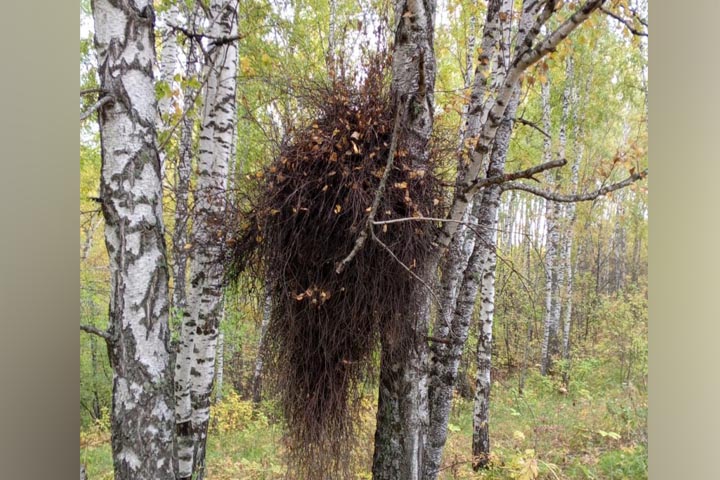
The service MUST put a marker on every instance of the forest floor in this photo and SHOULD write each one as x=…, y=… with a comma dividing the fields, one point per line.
x=597, y=429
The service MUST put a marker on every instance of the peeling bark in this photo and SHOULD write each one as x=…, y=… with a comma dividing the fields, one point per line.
x=131, y=193
x=183, y=171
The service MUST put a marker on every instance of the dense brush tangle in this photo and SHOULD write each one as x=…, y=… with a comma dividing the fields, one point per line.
x=310, y=205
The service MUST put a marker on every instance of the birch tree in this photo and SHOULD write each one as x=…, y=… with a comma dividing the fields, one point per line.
x=402, y=402
x=130, y=192
x=453, y=322
x=183, y=169
x=570, y=213
x=259, y=360
x=402, y=405
x=195, y=370
x=550, y=345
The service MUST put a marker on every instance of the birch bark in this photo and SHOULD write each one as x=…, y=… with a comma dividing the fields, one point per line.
x=205, y=295
x=402, y=403
x=131, y=193
x=460, y=277
x=183, y=171
x=571, y=215
x=550, y=346
x=180, y=242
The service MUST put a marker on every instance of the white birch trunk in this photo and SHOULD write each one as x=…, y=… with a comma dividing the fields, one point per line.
x=570, y=213
x=399, y=440
x=205, y=293
x=131, y=193
x=168, y=61
x=183, y=171
x=552, y=212
x=466, y=254
x=184, y=359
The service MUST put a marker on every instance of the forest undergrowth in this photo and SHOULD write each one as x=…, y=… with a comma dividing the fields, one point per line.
x=594, y=429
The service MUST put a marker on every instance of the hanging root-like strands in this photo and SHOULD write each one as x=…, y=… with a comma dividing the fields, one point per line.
x=308, y=209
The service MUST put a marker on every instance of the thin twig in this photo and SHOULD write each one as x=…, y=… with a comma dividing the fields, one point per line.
x=413, y=219
x=415, y=275
x=625, y=22
x=533, y=125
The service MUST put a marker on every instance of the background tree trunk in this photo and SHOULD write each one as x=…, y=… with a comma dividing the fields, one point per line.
x=183, y=171
x=550, y=347
x=205, y=295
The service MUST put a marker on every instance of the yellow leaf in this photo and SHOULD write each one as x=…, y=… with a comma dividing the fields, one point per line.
x=187, y=246
x=401, y=185
x=337, y=209
x=245, y=67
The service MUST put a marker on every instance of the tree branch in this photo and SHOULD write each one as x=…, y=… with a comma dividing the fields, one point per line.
x=527, y=173
x=96, y=106
x=96, y=331
x=533, y=125
x=92, y=90
x=529, y=56
x=555, y=197
x=214, y=41
x=624, y=21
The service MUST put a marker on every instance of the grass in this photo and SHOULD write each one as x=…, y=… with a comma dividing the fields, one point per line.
x=597, y=430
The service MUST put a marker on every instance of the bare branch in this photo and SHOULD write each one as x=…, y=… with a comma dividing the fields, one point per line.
x=555, y=197
x=225, y=40
x=91, y=91
x=214, y=41
x=533, y=125
x=96, y=331
x=625, y=22
x=96, y=106
x=527, y=173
